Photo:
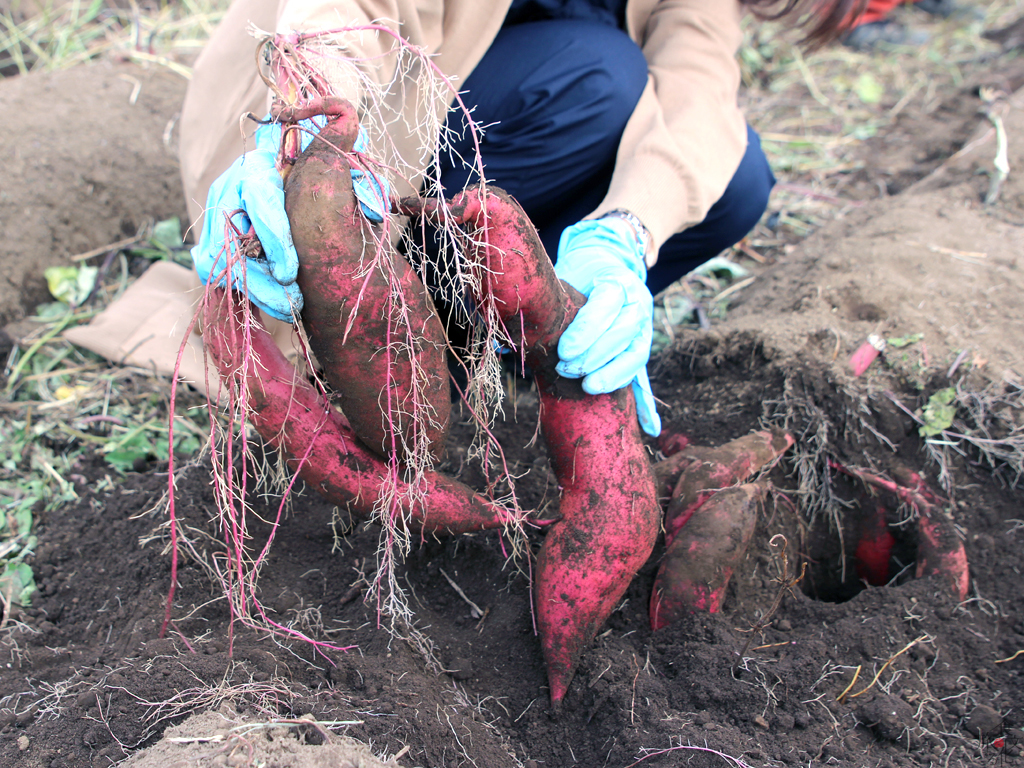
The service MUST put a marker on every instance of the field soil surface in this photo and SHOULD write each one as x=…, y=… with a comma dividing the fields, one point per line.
x=825, y=671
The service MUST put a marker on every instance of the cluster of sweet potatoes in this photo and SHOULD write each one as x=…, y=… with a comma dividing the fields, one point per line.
x=375, y=334
x=381, y=346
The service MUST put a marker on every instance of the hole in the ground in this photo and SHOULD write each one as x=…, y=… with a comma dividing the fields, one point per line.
x=877, y=546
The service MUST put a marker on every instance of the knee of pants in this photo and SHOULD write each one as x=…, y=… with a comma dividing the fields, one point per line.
x=616, y=77
x=551, y=89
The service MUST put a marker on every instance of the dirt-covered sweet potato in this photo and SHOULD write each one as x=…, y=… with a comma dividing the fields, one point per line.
x=370, y=321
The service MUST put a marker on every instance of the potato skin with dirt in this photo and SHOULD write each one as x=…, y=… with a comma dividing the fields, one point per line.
x=389, y=372
x=294, y=418
x=699, y=561
x=610, y=517
x=609, y=508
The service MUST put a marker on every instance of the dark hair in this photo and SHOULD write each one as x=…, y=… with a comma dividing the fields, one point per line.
x=822, y=20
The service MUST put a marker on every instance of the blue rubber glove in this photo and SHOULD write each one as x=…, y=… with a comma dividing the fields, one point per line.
x=253, y=187
x=608, y=344
x=372, y=193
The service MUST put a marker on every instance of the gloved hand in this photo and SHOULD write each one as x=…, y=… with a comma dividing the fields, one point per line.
x=252, y=192
x=608, y=344
x=371, y=192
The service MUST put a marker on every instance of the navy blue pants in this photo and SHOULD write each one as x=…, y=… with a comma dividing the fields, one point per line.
x=556, y=96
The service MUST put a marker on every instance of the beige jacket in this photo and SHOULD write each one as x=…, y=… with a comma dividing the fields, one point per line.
x=681, y=145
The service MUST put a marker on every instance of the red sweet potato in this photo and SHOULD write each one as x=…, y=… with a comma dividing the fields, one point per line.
x=370, y=321
x=691, y=475
x=700, y=560
x=610, y=517
x=940, y=552
x=292, y=416
x=874, y=542
x=609, y=510
x=706, y=536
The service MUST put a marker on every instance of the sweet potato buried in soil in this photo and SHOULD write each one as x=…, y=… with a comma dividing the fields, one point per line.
x=708, y=523
x=940, y=552
x=292, y=416
x=699, y=563
x=370, y=321
x=609, y=510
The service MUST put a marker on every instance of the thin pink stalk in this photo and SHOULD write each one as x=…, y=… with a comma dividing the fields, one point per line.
x=237, y=577
x=170, y=452
x=170, y=477
x=183, y=638
x=919, y=498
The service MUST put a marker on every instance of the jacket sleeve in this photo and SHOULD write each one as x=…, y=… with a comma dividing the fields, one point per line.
x=686, y=136
x=226, y=84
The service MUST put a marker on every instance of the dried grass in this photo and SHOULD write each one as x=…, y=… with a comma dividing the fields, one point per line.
x=66, y=33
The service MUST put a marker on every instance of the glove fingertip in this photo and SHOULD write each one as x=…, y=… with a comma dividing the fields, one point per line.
x=650, y=423
x=285, y=266
x=567, y=348
x=646, y=407
x=596, y=385
x=282, y=313
x=568, y=370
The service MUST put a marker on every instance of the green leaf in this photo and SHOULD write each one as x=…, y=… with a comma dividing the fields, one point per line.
x=71, y=284
x=186, y=445
x=16, y=580
x=868, y=89
x=904, y=341
x=721, y=266
x=864, y=132
x=22, y=517
x=50, y=311
x=124, y=461
x=167, y=233
x=150, y=253
x=939, y=413
x=659, y=341
x=678, y=308
x=145, y=442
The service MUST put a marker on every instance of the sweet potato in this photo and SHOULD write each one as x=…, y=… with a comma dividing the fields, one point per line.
x=610, y=517
x=292, y=416
x=700, y=560
x=874, y=543
x=370, y=321
x=940, y=552
x=706, y=536
x=695, y=472
x=609, y=510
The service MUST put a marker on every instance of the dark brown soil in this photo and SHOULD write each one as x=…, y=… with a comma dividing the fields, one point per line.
x=87, y=680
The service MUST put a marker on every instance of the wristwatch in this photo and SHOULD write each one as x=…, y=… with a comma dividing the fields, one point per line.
x=644, y=238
